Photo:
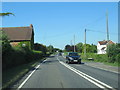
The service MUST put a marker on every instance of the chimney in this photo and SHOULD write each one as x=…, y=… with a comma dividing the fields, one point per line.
x=31, y=25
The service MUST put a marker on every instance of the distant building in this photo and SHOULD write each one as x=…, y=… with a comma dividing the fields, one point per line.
x=23, y=36
x=102, y=46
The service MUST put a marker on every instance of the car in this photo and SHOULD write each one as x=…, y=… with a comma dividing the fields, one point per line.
x=73, y=57
x=60, y=54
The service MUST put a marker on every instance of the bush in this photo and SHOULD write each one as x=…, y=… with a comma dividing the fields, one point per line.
x=19, y=56
x=118, y=58
x=5, y=43
x=113, y=52
x=14, y=56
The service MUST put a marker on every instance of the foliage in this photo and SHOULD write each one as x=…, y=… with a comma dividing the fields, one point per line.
x=96, y=57
x=5, y=43
x=69, y=48
x=40, y=47
x=6, y=14
x=113, y=52
x=50, y=48
x=19, y=56
x=24, y=44
x=80, y=48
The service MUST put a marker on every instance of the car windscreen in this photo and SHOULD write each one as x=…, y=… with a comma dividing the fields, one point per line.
x=73, y=54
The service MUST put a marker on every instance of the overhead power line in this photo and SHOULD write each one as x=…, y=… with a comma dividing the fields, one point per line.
x=101, y=32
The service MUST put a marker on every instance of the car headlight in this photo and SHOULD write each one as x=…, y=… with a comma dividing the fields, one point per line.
x=71, y=58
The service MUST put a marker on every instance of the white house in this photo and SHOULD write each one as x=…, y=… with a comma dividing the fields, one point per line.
x=102, y=46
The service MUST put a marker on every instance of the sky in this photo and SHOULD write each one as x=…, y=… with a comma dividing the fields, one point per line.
x=56, y=23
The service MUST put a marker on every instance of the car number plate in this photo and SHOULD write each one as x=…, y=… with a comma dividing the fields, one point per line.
x=75, y=60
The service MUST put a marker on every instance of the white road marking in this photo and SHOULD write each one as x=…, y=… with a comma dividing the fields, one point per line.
x=87, y=77
x=21, y=85
x=101, y=68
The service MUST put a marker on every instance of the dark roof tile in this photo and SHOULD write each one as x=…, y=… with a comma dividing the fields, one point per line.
x=18, y=33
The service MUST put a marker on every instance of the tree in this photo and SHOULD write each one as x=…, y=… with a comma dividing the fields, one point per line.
x=68, y=48
x=79, y=47
x=4, y=41
x=113, y=52
x=40, y=47
x=6, y=14
x=50, y=49
x=90, y=48
x=93, y=49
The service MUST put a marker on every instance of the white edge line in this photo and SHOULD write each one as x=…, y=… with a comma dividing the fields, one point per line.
x=78, y=72
x=29, y=76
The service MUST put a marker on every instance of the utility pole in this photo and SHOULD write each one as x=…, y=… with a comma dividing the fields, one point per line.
x=107, y=32
x=71, y=42
x=107, y=26
x=85, y=45
x=74, y=43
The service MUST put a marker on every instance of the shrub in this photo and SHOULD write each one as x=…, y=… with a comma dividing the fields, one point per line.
x=113, y=52
x=19, y=56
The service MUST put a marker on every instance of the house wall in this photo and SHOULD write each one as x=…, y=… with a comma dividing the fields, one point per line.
x=99, y=49
x=21, y=44
x=14, y=43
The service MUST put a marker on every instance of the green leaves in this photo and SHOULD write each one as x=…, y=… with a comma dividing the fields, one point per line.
x=6, y=14
x=113, y=52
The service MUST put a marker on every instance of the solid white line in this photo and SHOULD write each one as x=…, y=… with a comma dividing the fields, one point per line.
x=101, y=68
x=28, y=77
x=89, y=78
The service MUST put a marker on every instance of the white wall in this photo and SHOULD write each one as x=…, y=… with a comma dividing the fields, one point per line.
x=99, y=49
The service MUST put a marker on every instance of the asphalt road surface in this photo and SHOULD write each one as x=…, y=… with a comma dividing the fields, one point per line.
x=55, y=73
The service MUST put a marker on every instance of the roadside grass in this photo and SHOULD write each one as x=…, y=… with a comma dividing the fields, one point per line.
x=65, y=53
x=98, y=58
x=10, y=76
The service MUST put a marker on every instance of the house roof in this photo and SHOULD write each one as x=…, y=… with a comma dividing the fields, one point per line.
x=104, y=42
x=18, y=33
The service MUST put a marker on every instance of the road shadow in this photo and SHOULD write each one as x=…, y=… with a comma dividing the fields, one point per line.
x=33, y=68
x=51, y=56
x=78, y=63
x=50, y=61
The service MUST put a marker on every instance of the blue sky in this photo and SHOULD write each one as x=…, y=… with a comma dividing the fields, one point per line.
x=57, y=23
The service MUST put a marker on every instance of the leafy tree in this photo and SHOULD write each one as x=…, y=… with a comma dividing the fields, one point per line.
x=5, y=42
x=79, y=47
x=93, y=49
x=68, y=48
x=6, y=14
x=56, y=49
x=90, y=48
x=40, y=47
x=50, y=49
x=113, y=51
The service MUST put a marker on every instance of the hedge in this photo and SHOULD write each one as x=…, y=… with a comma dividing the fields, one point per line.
x=14, y=57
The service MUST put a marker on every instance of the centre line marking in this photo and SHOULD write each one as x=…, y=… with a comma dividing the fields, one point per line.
x=87, y=77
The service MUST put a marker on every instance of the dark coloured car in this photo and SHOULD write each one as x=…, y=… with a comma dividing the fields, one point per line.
x=73, y=57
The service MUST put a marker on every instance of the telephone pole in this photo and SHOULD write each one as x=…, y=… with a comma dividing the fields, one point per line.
x=85, y=45
x=71, y=42
x=74, y=43
x=107, y=26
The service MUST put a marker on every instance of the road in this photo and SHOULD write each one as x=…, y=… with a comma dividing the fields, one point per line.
x=55, y=73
